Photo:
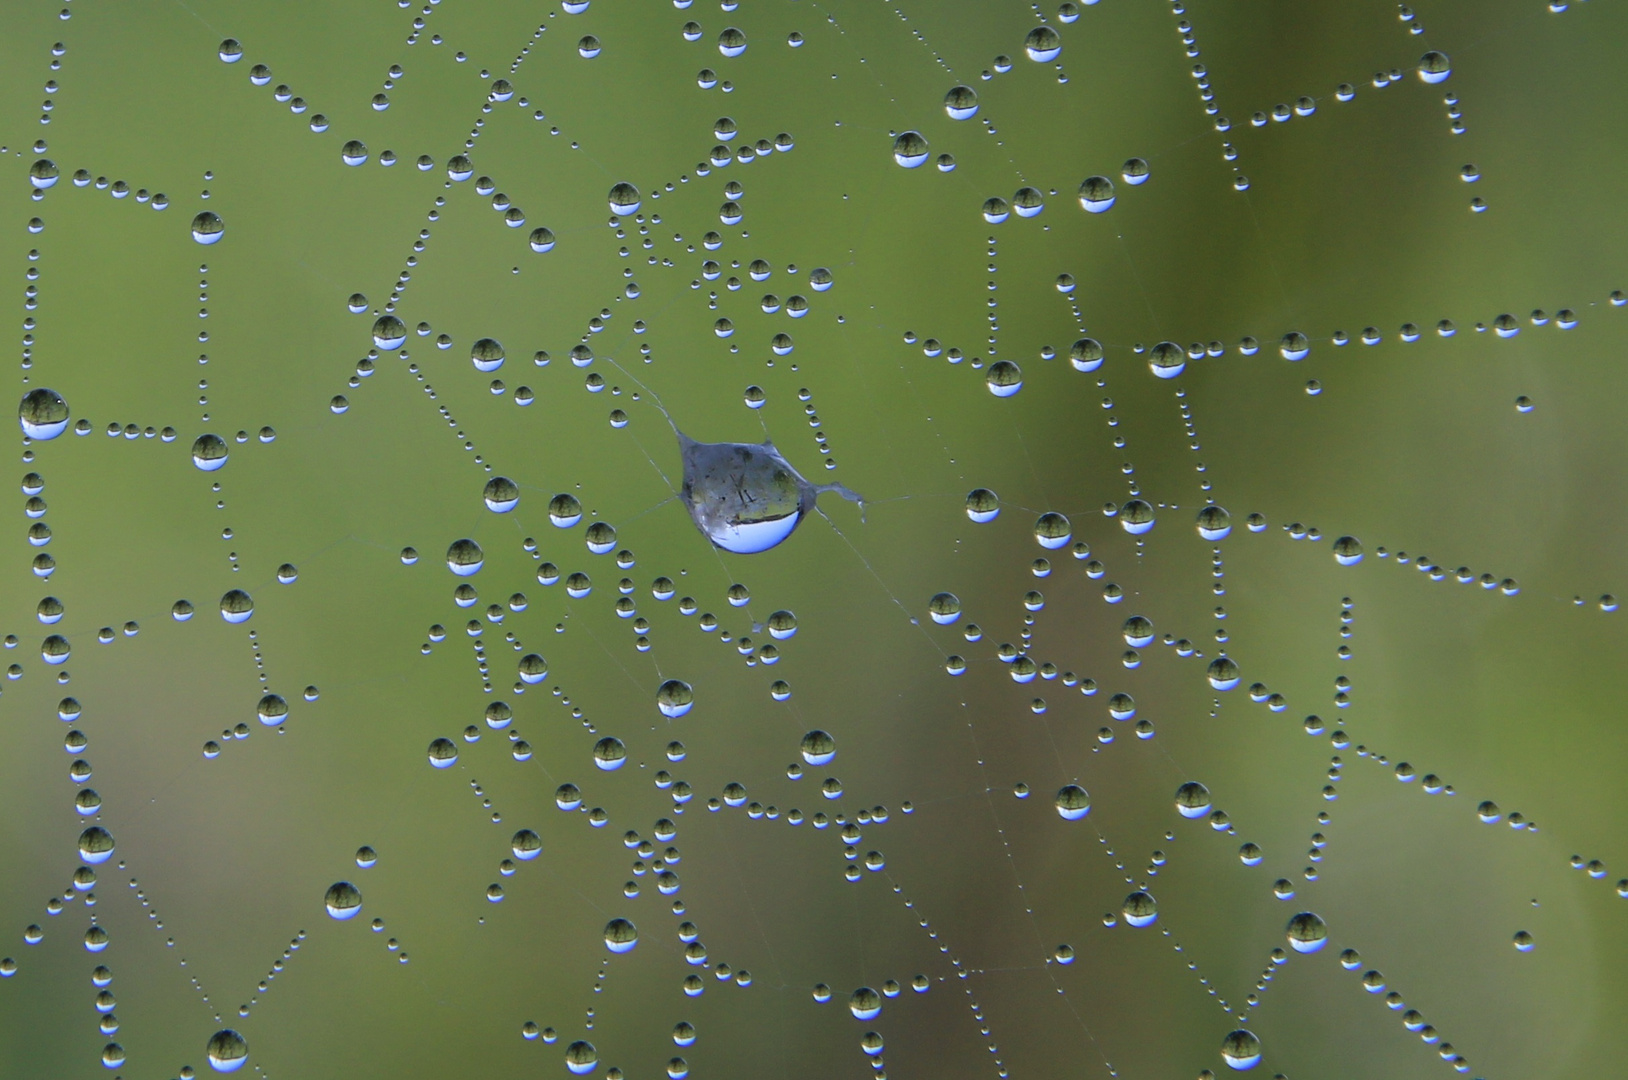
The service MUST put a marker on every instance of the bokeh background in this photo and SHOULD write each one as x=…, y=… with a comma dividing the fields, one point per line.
x=1354, y=216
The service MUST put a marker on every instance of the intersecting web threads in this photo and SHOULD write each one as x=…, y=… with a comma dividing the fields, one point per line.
x=1006, y=764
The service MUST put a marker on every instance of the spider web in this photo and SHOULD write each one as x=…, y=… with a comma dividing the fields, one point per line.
x=1377, y=317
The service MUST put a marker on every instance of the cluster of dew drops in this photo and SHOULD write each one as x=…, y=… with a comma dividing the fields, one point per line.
x=44, y=415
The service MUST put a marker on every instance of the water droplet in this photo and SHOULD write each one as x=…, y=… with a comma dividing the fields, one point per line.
x=1193, y=799
x=465, y=557
x=1214, y=523
x=983, y=505
x=1167, y=360
x=1004, y=378
x=581, y=1057
x=1434, y=67
x=501, y=494
x=343, y=900
x=43, y=414
x=745, y=497
x=95, y=845
x=389, y=333
x=209, y=452
x=910, y=149
x=227, y=1051
x=43, y=174
x=609, y=754
x=1096, y=194
x=1073, y=802
x=1052, y=531
x=1306, y=932
x=486, y=354
x=1241, y=1050
x=624, y=199
x=819, y=748
x=236, y=606
x=1043, y=44
x=207, y=227
x=1140, y=909
x=1085, y=354
x=674, y=698
x=443, y=753
x=961, y=103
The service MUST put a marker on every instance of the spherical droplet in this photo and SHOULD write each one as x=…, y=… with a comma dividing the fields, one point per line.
x=1043, y=44
x=95, y=845
x=1085, y=354
x=533, y=669
x=55, y=649
x=1223, y=673
x=43, y=174
x=1192, y=799
x=1004, y=378
x=983, y=505
x=1136, y=517
x=209, y=452
x=501, y=494
x=610, y=754
x=1167, y=360
x=443, y=753
x=1214, y=523
x=1434, y=67
x=343, y=900
x=42, y=414
x=1073, y=802
x=486, y=354
x=780, y=624
x=674, y=698
x=227, y=1051
x=1241, y=1050
x=910, y=149
x=819, y=748
x=1140, y=909
x=961, y=103
x=465, y=557
x=1096, y=194
x=1306, y=932
x=581, y=1057
x=236, y=606
x=389, y=333
x=1052, y=531
x=208, y=228
x=621, y=936
x=272, y=710
x=944, y=608
x=564, y=510
x=624, y=199
x=526, y=845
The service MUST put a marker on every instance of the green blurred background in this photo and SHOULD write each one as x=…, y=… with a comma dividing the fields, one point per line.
x=1355, y=216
